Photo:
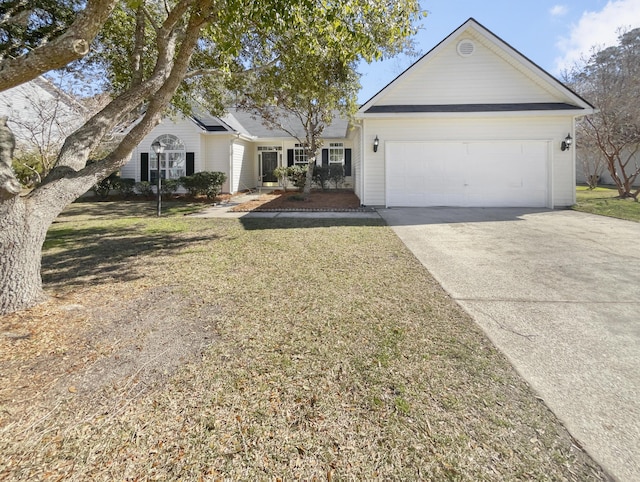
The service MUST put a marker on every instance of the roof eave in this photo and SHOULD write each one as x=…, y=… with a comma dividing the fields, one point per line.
x=519, y=113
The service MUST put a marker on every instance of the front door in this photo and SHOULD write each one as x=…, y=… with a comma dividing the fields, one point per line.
x=269, y=163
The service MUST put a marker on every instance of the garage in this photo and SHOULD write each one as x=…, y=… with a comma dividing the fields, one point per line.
x=472, y=173
x=472, y=123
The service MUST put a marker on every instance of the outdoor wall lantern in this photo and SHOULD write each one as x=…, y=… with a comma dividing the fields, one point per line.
x=376, y=143
x=158, y=148
x=566, y=144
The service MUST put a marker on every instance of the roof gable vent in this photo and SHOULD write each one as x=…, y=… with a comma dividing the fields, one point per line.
x=466, y=48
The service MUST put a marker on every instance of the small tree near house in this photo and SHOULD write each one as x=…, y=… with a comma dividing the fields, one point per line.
x=610, y=79
x=315, y=78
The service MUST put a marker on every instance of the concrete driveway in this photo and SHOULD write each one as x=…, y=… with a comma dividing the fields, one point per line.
x=558, y=292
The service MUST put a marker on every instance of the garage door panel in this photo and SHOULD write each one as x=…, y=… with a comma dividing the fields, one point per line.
x=502, y=173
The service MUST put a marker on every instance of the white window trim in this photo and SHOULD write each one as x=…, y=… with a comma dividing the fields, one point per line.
x=337, y=149
x=299, y=153
x=181, y=152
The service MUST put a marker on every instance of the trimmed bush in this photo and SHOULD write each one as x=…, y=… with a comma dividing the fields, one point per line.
x=102, y=188
x=144, y=188
x=321, y=176
x=125, y=186
x=336, y=174
x=190, y=184
x=297, y=175
x=282, y=174
x=169, y=186
x=206, y=183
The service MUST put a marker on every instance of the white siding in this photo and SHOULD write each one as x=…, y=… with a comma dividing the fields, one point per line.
x=244, y=166
x=182, y=128
x=552, y=129
x=217, y=155
x=356, y=165
x=448, y=78
x=131, y=169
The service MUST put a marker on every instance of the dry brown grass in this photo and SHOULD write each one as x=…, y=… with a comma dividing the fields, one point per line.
x=262, y=350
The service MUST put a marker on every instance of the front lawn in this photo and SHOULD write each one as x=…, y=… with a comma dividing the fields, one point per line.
x=605, y=202
x=259, y=349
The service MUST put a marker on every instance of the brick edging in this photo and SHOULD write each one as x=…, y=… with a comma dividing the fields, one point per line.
x=304, y=210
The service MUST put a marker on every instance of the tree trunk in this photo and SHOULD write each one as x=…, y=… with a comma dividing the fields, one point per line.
x=306, y=191
x=22, y=234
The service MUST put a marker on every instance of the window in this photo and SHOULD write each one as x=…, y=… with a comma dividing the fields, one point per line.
x=172, y=160
x=336, y=153
x=299, y=156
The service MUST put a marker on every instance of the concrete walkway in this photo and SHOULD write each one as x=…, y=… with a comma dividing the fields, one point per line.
x=559, y=293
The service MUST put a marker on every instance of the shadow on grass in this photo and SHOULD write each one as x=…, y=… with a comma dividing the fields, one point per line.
x=138, y=208
x=77, y=256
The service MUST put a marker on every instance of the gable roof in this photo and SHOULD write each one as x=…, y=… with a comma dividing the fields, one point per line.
x=450, y=80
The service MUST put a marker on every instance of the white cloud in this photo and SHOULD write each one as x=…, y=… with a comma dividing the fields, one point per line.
x=597, y=29
x=558, y=10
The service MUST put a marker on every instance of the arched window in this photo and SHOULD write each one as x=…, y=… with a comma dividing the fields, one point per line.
x=172, y=160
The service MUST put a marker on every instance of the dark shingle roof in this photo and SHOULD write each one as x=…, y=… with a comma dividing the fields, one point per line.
x=532, y=106
x=252, y=125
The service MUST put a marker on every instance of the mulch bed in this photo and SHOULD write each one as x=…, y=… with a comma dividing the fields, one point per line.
x=331, y=201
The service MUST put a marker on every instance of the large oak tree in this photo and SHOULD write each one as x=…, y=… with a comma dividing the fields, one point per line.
x=153, y=54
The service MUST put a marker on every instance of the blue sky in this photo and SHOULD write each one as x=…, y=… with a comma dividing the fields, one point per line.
x=554, y=34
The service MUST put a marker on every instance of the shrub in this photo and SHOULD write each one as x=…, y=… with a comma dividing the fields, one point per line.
x=169, y=186
x=216, y=180
x=124, y=185
x=282, y=174
x=102, y=188
x=297, y=175
x=144, y=188
x=28, y=168
x=321, y=176
x=190, y=184
x=205, y=182
x=336, y=174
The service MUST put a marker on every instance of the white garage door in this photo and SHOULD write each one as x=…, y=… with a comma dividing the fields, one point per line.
x=483, y=174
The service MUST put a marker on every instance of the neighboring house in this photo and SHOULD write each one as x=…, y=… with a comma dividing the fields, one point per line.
x=40, y=115
x=604, y=177
x=237, y=144
x=471, y=123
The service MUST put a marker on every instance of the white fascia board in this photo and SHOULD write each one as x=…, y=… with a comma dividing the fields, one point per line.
x=449, y=115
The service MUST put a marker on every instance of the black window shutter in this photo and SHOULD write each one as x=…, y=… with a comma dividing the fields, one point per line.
x=144, y=166
x=347, y=162
x=325, y=157
x=289, y=157
x=191, y=163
